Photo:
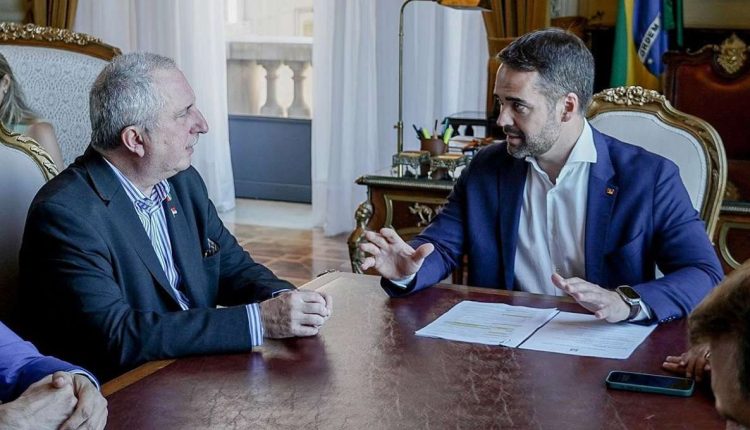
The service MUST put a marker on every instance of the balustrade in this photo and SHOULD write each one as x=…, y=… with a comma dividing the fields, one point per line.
x=262, y=65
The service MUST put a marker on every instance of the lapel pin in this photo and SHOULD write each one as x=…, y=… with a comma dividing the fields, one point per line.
x=610, y=191
x=173, y=210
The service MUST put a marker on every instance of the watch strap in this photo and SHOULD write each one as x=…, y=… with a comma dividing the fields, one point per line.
x=634, y=311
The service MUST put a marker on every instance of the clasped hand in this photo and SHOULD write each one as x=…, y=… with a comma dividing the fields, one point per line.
x=61, y=400
x=390, y=256
x=295, y=313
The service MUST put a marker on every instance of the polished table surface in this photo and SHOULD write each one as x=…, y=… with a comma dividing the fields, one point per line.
x=367, y=370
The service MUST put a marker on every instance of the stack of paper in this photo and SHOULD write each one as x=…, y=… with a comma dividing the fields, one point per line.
x=537, y=329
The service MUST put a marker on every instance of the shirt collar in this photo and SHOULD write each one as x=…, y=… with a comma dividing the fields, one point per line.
x=158, y=194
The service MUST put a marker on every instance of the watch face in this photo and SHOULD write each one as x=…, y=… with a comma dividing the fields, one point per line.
x=629, y=293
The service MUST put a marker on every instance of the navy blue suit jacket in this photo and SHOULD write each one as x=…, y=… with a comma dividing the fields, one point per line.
x=88, y=267
x=646, y=218
x=21, y=365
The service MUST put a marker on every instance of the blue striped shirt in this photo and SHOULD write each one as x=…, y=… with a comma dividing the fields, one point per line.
x=151, y=213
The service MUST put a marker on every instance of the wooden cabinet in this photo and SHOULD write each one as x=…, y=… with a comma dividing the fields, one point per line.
x=405, y=204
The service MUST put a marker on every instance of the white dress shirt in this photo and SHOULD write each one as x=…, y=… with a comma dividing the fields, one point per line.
x=551, y=230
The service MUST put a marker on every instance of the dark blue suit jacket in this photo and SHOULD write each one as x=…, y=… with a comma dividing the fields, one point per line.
x=647, y=218
x=21, y=365
x=88, y=267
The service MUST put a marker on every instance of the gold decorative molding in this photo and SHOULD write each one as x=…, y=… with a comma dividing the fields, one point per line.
x=732, y=54
x=724, y=246
x=362, y=216
x=424, y=212
x=16, y=31
x=31, y=148
x=407, y=233
x=13, y=33
x=630, y=96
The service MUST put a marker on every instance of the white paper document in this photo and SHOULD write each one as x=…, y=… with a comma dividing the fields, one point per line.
x=582, y=334
x=488, y=323
x=537, y=329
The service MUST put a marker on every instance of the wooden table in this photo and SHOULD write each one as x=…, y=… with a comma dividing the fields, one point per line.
x=367, y=370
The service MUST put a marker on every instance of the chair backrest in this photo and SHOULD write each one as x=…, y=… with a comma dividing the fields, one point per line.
x=25, y=168
x=714, y=84
x=56, y=69
x=645, y=118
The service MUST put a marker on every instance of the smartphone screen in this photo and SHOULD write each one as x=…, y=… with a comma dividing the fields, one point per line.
x=650, y=383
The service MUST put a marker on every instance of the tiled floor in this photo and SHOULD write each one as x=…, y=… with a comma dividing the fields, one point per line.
x=279, y=235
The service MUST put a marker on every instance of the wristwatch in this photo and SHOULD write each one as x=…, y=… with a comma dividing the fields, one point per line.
x=631, y=298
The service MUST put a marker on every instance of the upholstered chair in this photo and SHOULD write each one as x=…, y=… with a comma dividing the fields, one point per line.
x=645, y=118
x=714, y=84
x=56, y=69
x=25, y=168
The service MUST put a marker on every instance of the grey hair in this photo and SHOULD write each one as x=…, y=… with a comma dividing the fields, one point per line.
x=13, y=108
x=564, y=63
x=124, y=95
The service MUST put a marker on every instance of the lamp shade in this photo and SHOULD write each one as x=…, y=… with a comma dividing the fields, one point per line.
x=467, y=4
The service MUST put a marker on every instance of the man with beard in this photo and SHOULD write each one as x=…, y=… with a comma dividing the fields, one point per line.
x=125, y=250
x=560, y=208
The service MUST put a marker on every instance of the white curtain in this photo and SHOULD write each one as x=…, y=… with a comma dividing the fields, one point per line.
x=355, y=85
x=192, y=33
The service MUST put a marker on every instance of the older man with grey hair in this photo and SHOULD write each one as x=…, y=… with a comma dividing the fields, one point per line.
x=125, y=248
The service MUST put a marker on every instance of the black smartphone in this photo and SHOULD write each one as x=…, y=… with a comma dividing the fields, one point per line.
x=644, y=382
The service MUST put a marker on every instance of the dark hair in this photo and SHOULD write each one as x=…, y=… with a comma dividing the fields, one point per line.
x=726, y=312
x=564, y=63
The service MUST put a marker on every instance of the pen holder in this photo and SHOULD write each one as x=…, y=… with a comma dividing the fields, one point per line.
x=434, y=146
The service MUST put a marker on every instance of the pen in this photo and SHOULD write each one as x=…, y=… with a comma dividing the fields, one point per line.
x=447, y=135
x=419, y=136
x=425, y=133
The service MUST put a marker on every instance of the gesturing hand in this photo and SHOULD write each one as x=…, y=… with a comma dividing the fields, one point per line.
x=390, y=256
x=605, y=304
x=295, y=313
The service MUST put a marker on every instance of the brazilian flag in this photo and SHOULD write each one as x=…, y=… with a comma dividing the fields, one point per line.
x=641, y=38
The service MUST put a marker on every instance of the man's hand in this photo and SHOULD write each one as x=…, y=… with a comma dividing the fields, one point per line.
x=295, y=313
x=692, y=363
x=391, y=256
x=91, y=410
x=605, y=304
x=46, y=404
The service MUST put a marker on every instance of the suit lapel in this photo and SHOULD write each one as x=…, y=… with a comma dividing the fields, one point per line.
x=602, y=194
x=185, y=249
x=511, y=182
x=121, y=209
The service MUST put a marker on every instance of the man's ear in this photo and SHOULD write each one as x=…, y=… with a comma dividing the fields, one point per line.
x=132, y=138
x=570, y=106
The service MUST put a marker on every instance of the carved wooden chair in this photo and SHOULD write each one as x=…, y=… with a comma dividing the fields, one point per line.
x=714, y=84
x=645, y=118
x=27, y=167
x=56, y=69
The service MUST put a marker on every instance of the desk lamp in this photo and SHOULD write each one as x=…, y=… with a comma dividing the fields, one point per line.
x=456, y=4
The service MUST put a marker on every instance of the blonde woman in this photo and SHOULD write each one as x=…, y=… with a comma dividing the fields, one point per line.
x=19, y=118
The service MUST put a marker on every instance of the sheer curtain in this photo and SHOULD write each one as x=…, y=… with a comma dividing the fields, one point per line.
x=192, y=33
x=355, y=55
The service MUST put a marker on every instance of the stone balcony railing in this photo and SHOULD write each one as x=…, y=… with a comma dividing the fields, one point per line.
x=276, y=67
